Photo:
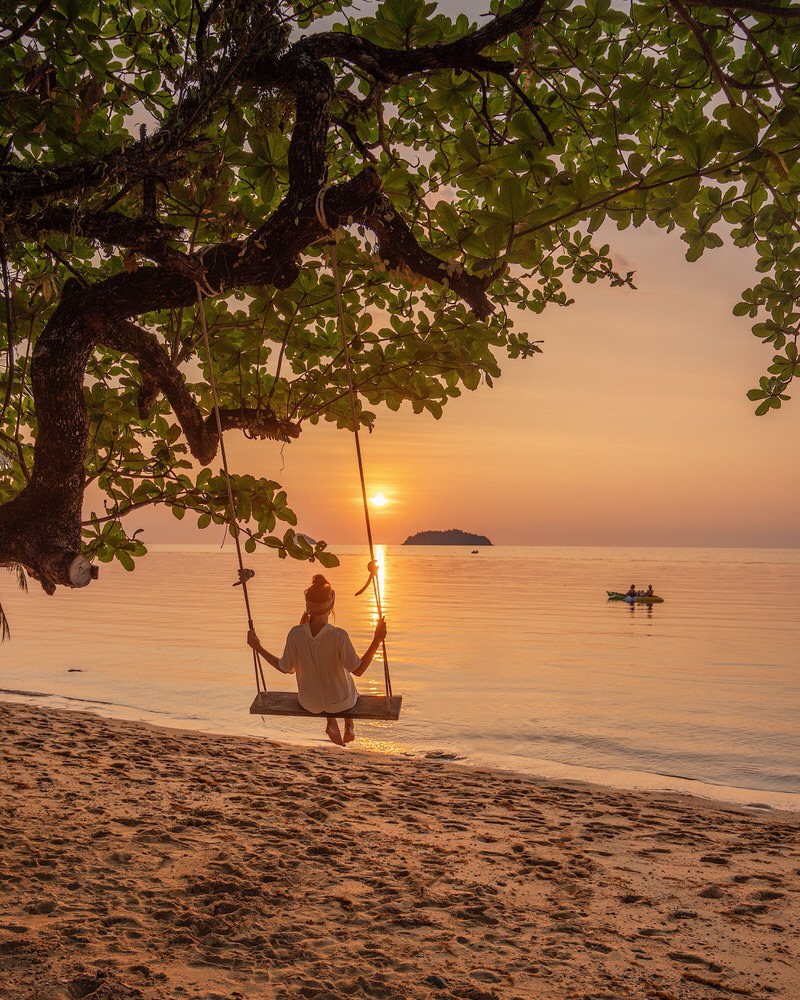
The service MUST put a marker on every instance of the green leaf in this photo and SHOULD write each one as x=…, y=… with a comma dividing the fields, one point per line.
x=743, y=125
x=447, y=218
x=125, y=559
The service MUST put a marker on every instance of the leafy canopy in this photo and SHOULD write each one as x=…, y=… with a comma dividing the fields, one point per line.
x=503, y=161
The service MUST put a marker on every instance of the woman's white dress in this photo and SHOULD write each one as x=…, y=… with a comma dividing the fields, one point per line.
x=323, y=664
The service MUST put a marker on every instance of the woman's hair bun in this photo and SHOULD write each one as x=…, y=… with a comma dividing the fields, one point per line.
x=320, y=588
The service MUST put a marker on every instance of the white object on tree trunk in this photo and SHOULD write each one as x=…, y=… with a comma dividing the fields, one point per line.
x=81, y=572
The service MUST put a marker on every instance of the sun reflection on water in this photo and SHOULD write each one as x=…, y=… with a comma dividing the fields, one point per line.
x=380, y=559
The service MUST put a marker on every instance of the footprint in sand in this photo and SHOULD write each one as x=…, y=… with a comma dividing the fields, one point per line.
x=687, y=958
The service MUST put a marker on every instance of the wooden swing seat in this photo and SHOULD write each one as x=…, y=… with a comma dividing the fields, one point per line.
x=368, y=706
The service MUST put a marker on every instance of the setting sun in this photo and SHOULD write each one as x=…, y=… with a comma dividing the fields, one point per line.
x=379, y=500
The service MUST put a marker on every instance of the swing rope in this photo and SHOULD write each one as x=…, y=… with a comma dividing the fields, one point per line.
x=333, y=260
x=232, y=520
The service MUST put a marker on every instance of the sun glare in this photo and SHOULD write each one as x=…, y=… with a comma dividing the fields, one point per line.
x=379, y=500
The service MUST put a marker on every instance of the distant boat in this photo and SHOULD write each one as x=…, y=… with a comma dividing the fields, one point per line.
x=614, y=595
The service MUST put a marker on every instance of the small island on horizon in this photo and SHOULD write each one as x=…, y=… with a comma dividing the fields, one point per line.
x=453, y=536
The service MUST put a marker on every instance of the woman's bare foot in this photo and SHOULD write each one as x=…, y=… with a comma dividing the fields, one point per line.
x=332, y=729
x=349, y=731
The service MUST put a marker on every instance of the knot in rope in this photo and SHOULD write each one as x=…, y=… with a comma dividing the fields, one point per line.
x=372, y=568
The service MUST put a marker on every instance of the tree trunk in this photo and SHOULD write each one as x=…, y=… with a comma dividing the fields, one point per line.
x=41, y=527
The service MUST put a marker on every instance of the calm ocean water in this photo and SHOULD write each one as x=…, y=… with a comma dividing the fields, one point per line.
x=512, y=658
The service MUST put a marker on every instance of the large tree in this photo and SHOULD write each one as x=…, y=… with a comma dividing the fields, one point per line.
x=154, y=148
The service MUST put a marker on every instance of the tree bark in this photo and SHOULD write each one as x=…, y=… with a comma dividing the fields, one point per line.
x=41, y=527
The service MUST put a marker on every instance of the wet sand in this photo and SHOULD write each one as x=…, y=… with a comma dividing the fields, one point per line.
x=138, y=862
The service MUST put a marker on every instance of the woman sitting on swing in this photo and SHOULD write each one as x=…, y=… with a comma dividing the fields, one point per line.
x=324, y=660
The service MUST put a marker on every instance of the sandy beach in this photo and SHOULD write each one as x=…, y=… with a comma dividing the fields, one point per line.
x=151, y=863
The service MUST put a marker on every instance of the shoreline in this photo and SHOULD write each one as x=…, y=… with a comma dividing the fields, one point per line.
x=141, y=861
x=636, y=781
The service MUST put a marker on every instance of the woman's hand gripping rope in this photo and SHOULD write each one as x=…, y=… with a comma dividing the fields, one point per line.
x=255, y=643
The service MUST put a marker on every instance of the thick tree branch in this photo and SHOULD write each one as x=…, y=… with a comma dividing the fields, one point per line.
x=312, y=83
x=201, y=432
x=153, y=155
x=111, y=228
x=26, y=25
x=391, y=65
x=399, y=248
x=268, y=257
x=748, y=7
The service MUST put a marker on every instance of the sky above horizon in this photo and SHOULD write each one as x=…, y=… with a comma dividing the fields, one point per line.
x=632, y=428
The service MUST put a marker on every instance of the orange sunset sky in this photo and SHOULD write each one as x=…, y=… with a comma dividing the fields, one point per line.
x=632, y=429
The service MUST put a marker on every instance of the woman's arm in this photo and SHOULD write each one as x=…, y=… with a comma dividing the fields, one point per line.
x=254, y=643
x=372, y=649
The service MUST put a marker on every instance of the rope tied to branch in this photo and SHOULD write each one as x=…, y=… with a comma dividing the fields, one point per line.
x=372, y=565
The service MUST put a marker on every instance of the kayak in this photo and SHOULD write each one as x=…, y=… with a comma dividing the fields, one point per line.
x=614, y=595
